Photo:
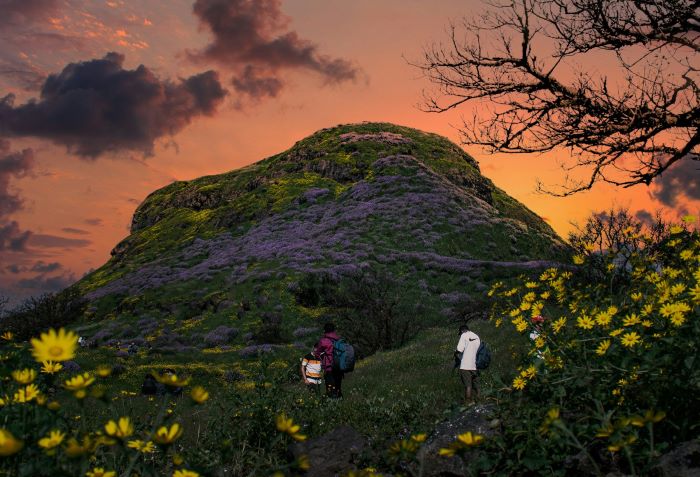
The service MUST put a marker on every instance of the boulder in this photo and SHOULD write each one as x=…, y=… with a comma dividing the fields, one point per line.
x=682, y=461
x=475, y=419
x=333, y=453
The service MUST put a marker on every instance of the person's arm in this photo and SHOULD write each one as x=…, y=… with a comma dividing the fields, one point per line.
x=303, y=371
x=461, y=344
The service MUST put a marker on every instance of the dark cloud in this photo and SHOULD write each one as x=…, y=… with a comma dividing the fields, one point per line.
x=12, y=165
x=41, y=283
x=22, y=12
x=55, y=241
x=43, y=267
x=93, y=221
x=680, y=180
x=97, y=106
x=249, y=83
x=12, y=238
x=251, y=37
x=71, y=230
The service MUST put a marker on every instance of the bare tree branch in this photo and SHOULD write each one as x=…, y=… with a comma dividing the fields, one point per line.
x=524, y=56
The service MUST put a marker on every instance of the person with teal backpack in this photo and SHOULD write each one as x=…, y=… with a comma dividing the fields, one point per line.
x=337, y=358
x=471, y=356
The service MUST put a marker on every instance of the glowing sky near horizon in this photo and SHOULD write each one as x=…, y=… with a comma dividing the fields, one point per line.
x=78, y=207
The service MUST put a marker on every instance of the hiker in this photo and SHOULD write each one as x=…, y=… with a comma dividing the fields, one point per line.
x=467, y=346
x=323, y=350
x=311, y=371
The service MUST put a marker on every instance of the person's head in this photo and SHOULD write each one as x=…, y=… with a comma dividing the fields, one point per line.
x=463, y=329
x=329, y=327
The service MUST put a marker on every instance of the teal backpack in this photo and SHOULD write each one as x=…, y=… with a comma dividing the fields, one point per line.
x=343, y=356
x=483, y=356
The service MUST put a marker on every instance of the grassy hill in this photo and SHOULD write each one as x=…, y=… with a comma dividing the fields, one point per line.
x=232, y=249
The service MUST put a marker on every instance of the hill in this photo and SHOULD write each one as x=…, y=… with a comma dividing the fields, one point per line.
x=234, y=249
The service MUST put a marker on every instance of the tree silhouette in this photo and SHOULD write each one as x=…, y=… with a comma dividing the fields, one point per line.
x=624, y=127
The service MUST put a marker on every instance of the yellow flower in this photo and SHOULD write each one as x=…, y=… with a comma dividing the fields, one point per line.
x=100, y=472
x=605, y=431
x=520, y=325
x=648, y=308
x=287, y=426
x=647, y=323
x=603, y=318
x=689, y=219
x=171, y=379
x=695, y=293
x=631, y=320
x=78, y=384
x=636, y=296
x=199, y=394
x=303, y=462
x=49, y=367
x=8, y=444
x=630, y=339
x=551, y=417
x=103, y=371
x=26, y=394
x=578, y=259
x=676, y=229
x=76, y=449
x=529, y=373
x=469, y=439
x=585, y=322
x=24, y=376
x=168, y=436
x=539, y=342
x=677, y=319
x=143, y=447
x=7, y=336
x=185, y=473
x=53, y=346
x=687, y=255
x=602, y=347
x=54, y=439
x=124, y=428
x=559, y=324
x=448, y=451
x=677, y=289
x=519, y=383
x=531, y=285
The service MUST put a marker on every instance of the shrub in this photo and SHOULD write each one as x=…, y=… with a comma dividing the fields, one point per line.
x=38, y=314
x=612, y=372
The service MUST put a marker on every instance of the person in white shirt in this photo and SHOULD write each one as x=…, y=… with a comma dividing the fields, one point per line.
x=467, y=346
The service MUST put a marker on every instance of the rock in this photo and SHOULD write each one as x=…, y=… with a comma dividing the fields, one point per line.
x=682, y=461
x=333, y=453
x=476, y=419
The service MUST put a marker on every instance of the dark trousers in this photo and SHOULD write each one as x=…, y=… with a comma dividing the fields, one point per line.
x=334, y=380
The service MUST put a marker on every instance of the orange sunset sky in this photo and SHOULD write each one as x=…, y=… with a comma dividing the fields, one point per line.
x=292, y=67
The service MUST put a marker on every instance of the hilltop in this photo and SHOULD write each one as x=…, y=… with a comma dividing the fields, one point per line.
x=234, y=247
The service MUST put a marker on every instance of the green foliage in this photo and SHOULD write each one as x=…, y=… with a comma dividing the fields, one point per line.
x=611, y=373
x=40, y=313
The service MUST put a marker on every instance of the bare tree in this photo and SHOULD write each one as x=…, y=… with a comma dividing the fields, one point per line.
x=523, y=60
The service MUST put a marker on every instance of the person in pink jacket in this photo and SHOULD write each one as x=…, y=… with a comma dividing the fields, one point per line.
x=323, y=350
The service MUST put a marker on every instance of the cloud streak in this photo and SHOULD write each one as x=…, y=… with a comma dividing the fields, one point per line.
x=252, y=38
x=96, y=106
